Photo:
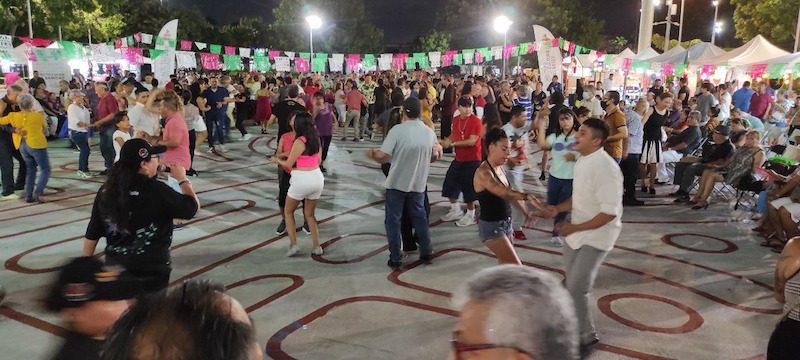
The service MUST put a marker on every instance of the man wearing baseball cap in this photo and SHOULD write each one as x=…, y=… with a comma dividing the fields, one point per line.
x=411, y=146
x=90, y=296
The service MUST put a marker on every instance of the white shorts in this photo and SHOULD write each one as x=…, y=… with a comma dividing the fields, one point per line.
x=792, y=207
x=200, y=125
x=306, y=184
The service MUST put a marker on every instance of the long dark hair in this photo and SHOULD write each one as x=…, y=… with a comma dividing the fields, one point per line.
x=494, y=135
x=304, y=126
x=569, y=112
x=491, y=116
x=115, y=198
x=395, y=117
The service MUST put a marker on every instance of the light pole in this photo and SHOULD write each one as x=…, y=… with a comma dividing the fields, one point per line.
x=797, y=35
x=680, y=26
x=314, y=22
x=501, y=25
x=672, y=9
x=30, y=22
x=717, y=25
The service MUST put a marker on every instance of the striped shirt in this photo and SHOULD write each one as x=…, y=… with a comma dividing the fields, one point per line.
x=526, y=103
x=792, y=294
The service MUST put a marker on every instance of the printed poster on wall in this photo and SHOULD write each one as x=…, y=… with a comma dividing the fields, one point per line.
x=52, y=67
x=283, y=63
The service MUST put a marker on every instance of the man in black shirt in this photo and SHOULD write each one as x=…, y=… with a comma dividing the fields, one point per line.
x=282, y=110
x=90, y=296
x=657, y=88
x=683, y=92
x=714, y=155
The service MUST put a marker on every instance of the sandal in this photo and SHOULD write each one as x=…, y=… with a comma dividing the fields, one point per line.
x=772, y=243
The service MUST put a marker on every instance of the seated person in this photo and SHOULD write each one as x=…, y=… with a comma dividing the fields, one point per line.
x=713, y=121
x=90, y=296
x=746, y=161
x=196, y=320
x=514, y=312
x=780, y=208
x=752, y=122
x=675, y=113
x=679, y=145
x=738, y=132
x=715, y=154
x=680, y=124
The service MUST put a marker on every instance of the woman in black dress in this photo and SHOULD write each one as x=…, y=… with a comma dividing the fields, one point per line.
x=654, y=119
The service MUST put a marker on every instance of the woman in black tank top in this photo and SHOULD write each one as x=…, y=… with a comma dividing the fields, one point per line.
x=496, y=198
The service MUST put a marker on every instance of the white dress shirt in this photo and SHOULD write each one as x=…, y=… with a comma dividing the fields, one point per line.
x=596, y=188
x=143, y=120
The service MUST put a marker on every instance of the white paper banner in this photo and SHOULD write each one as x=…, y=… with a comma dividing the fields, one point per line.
x=147, y=38
x=468, y=58
x=497, y=53
x=51, y=70
x=186, y=59
x=336, y=65
x=244, y=52
x=164, y=66
x=283, y=64
x=338, y=57
x=435, y=58
x=200, y=45
x=385, y=62
x=5, y=43
x=103, y=53
x=290, y=54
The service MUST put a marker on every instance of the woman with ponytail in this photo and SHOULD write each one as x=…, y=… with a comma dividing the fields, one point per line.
x=133, y=211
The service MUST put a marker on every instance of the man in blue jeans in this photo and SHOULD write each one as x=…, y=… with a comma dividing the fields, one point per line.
x=106, y=109
x=411, y=146
x=217, y=98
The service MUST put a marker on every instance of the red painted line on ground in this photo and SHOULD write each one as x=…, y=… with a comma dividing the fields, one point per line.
x=694, y=322
x=729, y=246
x=31, y=321
x=330, y=242
x=297, y=281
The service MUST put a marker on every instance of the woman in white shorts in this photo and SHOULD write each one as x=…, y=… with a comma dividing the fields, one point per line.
x=307, y=180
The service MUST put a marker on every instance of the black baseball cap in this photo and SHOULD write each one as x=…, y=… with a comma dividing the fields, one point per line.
x=87, y=279
x=412, y=107
x=137, y=150
x=723, y=130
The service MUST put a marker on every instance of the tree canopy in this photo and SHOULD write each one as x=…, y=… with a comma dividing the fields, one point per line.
x=433, y=41
x=470, y=22
x=74, y=16
x=775, y=20
x=657, y=42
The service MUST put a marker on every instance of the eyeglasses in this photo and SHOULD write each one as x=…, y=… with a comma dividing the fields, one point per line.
x=460, y=348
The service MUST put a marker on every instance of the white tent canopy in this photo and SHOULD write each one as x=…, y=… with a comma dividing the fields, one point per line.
x=790, y=59
x=618, y=59
x=756, y=50
x=646, y=54
x=704, y=50
x=675, y=55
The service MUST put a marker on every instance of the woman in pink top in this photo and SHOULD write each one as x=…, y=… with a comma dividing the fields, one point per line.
x=306, y=182
x=175, y=135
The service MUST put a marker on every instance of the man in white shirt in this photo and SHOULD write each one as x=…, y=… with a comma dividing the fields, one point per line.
x=725, y=100
x=517, y=129
x=227, y=84
x=591, y=102
x=608, y=85
x=143, y=121
x=596, y=206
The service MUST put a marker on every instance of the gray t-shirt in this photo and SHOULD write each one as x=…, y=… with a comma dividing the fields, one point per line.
x=411, y=146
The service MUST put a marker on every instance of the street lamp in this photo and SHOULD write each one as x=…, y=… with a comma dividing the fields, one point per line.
x=501, y=25
x=717, y=25
x=314, y=22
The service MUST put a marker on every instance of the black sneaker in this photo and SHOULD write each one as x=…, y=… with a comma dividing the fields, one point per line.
x=394, y=265
x=19, y=187
x=543, y=176
x=281, y=228
x=306, y=229
x=103, y=173
x=632, y=202
x=323, y=169
x=588, y=349
x=192, y=172
x=425, y=259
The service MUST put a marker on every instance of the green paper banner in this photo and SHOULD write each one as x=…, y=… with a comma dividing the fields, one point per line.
x=641, y=65
x=304, y=55
x=156, y=53
x=368, y=61
x=73, y=50
x=5, y=55
x=232, y=62
x=318, y=64
x=131, y=41
x=261, y=62
x=679, y=69
x=320, y=55
x=515, y=51
x=467, y=51
x=162, y=41
x=458, y=59
x=775, y=71
x=215, y=49
x=524, y=47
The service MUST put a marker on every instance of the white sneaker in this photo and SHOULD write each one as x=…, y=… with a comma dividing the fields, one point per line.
x=557, y=241
x=318, y=251
x=10, y=197
x=293, y=250
x=84, y=175
x=466, y=220
x=452, y=216
x=247, y=137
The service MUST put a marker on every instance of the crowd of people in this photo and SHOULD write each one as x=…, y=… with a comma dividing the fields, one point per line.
x=594, y=146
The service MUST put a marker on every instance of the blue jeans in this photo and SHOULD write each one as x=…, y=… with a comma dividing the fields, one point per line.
x=107, y=145
x=215, y=124
x=34, y=158
x=414, y=203
x=761, y=203
x=81, y=140
x=558, y=191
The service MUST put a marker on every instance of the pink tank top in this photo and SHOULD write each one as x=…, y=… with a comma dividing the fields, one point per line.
x=307, y=161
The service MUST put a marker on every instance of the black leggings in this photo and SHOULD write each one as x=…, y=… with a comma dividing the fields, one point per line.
x=192, y=145
x=406, y=227
x=783, y=342
x=326, y=144
x=240, y=118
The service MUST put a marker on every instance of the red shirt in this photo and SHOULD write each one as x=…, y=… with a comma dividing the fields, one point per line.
x=311, y=90
x=759, y=104
x=108, y=105
x=176, y=128
x=354, y=98
x=463, y=129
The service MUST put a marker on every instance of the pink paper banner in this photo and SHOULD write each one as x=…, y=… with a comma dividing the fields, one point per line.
x=447, y=59
x=669, y=69
x=302, y=65
x=532, y=48
x=230, y=50
x=137, y=37
x=508, y=50
x=273, y=54
x=134, y=56
x=451, y=53
x=554, y=42
x=757, y=70
x=709, y=69
x=36, y=42
x=398, y=63
x=210, y=61
x=186, y=45
x=626, y=64
x=478, y=57
x=572, y=48
x=117, y=43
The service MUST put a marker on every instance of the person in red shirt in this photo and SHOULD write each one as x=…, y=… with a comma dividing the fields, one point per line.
x=466, y=140
x=106, y=110
x=761, y=102
x=354, y=100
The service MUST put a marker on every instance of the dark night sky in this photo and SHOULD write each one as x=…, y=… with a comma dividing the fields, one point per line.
x=403, y=20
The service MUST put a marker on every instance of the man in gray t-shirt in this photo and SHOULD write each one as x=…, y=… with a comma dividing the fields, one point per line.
x=411, y=146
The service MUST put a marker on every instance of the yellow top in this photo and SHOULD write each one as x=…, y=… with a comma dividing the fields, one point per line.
x=33, y=123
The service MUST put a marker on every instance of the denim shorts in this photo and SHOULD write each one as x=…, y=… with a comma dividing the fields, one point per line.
x=490, y=230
